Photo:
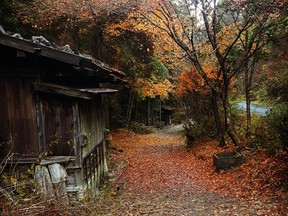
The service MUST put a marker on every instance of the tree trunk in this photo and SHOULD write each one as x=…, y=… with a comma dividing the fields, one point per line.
x=129, y=110
x=153, y=113
x=248, y=103
x=97, y=41
x=229, y=124
x=219, y=128
x=148, y=111
x=76, y=39
x=136, y=111
x=249, y=71
x=160, y=113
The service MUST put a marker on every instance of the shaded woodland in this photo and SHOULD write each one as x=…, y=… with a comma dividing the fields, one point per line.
x=186, y=62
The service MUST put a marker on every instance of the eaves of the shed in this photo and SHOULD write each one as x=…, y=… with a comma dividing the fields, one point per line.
x=86, y=66
x=84, y=93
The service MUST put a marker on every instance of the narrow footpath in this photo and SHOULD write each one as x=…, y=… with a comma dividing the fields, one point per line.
x=157, y=175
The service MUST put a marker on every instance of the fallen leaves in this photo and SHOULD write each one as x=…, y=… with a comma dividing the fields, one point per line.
x=159, y=162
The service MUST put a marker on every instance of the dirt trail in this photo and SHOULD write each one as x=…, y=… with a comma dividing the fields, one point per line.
x=156, y=175
x=172, y=129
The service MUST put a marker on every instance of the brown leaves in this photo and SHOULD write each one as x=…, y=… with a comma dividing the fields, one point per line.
x=127, y=139
x=157, y=163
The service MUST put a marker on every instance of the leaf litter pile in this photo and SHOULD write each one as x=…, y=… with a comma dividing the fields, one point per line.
x=156, y=174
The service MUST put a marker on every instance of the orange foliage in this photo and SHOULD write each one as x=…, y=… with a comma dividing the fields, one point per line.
x=190, y=80
x=168, y=52
x=151, y=88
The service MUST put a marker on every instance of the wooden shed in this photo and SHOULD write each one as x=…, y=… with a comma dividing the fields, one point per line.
x=53, y=110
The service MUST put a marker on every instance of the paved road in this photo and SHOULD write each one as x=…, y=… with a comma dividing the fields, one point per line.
x=263, y=111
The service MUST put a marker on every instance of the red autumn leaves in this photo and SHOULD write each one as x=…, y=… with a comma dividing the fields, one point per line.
x=162, y=162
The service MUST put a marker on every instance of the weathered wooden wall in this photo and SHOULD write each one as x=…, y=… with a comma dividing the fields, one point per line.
x=18, y=116
x=92, y=122
x=92, y=125
x=57, y=124
x=44, y=109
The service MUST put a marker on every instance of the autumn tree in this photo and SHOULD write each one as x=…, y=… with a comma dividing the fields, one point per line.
x=171, y=55
x=9, y=19
x=68, y=20
x=273, y=90
x=256, y=41
x=193, y=96
x=84, y=24
x=201, y=30
x=133, y=52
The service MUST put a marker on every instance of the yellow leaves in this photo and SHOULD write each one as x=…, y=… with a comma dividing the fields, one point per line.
x=167, y=51
x=9, y=179
x=152, y=87
x=13, y=181
x=160, y=89
x=227, y=36
x=31, y=170
x=115, y=29
x=5, y=178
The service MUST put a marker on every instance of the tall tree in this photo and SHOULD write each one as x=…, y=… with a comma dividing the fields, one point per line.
x=258, y=39
x=198, y=27
x=69, y=19
x=147, y=77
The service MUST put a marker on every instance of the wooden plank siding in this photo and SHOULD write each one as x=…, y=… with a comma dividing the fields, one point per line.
x=92, y=122
x=58, y=125
x=92, y=126
x=18, y=117
x=52, y=104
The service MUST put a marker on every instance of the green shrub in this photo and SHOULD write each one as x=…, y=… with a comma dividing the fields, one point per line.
x=278, y=123
x=141, y=128
x=261, y=135
x=193, y=131
x=239, y=119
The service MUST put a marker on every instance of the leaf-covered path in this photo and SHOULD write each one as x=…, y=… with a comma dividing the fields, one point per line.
x=156, y=175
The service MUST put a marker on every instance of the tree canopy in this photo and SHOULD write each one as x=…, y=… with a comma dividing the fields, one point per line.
x=208, y=47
